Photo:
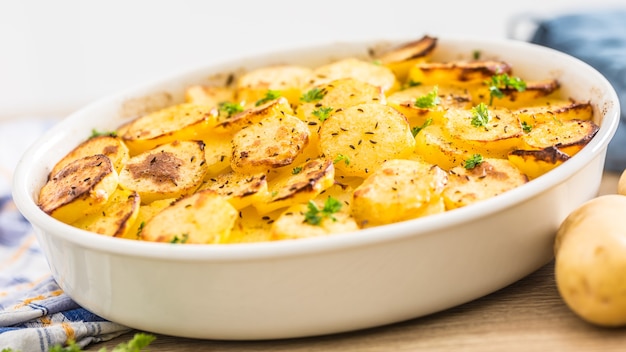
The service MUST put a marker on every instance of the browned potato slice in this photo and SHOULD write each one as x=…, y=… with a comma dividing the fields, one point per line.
x=180, y=122
x=292, y=224
x=534, y=163
x=429, y=102
x=568, y=136
x=145, y=213
x=111, y=147
x=286, y=80
x=499, y=133
x=361, y=137
x=80, y=188
x=241, y=190
x=169, y=171
x=399, y=190
x=211, y=96
x=555, y=110
x=489, y=178
x=433, y=145
x=370, y=72
x=456, y=72
x=535, y=92
x=203, y=217
x=306, y=182
x=117, y=216
x=272, y=142
x=400, y=59
x=234, y=123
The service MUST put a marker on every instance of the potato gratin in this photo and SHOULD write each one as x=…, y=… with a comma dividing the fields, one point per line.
x=288, y=152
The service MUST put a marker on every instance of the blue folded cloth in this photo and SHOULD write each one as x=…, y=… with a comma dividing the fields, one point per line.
x=598, y=38
x=35, y=314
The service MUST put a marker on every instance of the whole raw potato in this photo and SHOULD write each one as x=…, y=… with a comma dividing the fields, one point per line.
x=590, y=251
x=621, y=184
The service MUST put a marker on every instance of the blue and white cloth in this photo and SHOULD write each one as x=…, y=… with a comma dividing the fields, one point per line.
x=35, y=314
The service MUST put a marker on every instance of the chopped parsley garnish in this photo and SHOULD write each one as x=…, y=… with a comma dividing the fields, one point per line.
x=182, y=239
x=269, y=96
x=476, y=54
x=95, y=133
x=141, y=226
x=502, y=81
x=377, y=62
x=323, y=112
x=230, y=108
x=312, y=95
x=526, y=127
x=429, y=100
x=341, y=157
x=296, y=170
x=315, y=215
x=415, y=130
x=411, y=83
x=480, y=115
x=474, y=161
x=136, y=344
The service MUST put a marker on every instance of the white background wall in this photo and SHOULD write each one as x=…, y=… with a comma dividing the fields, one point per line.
x=56, y=56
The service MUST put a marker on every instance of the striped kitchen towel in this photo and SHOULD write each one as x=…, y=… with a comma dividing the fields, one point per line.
x=35, y=314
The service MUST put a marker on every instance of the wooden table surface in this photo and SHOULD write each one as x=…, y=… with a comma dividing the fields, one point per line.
x=528, y=315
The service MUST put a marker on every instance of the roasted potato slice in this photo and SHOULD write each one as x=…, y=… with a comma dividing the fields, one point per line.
x=273, y=142
x=568, y=136
x=456, y=72
x=534, y=163
x=306, y=182
x=169, y=171
x=367, y=71
x=203, y=217
x=487, y=178
x=180, y=122
x=312, y=220
x=241, y=190
x=211, y=96
x=560, y=110
x=361, y=137
x=80, y=188
x=433, y=145
x=399, y=190
x=260, y=84
x=110, y=146
x=233, y=123
x=217, y=152
x=491, y=132
x=117, y=216
x=534, y=92
x=401, y=58
x=145, y=213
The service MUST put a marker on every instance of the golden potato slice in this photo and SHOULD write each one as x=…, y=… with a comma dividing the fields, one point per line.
x=313, y=219
x=211, y=96
x=361, y=137
x=272, y=142
x=108, y=145
x=284, y=80
x=180, y=122
x=434, y=145
x=241, y=190
x=568, y=136
x=456, y=72
x=305, y=182
x=488, y=131
x=399, y=190
x=80, y=188
x=560, y=110
x=203, y=217
x=235, y=122
x=145, y=213
x=485, y=179
x=401, y=58
x=366, y=71
x=117, y=216
x=169, y=171
x=534, y=163
x=217, y=152
x=512, y=98
x=429, y=102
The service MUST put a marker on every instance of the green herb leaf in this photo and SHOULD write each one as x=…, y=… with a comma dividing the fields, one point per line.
x=526, y=127
x=341, y=157
x=502, y=81
x=230, y=108
x=474, y=161
x=182, y=239
x=429, y=100
x=296, y=170
x=323, y=112
x=315, y=215
x=476, y=54
x=411, y=83
x=415, y=130
x=480, y=115
x=312, y=95
x=269, y=96
x=95, y=133
x=136, y=344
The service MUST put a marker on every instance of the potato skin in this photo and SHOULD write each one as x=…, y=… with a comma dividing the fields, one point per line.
x=590, y=267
